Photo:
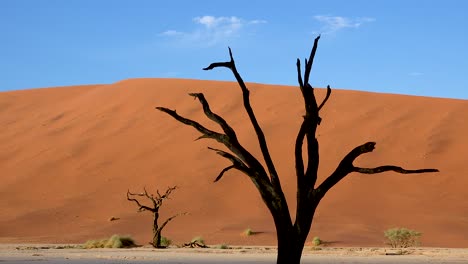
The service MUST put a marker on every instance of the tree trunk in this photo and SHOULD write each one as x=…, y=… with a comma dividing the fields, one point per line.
x=156, y=232
x=157, y=238
x=289, y=247
x=291, y=238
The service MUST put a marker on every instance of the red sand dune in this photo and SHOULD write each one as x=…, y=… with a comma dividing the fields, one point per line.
x=68, y=156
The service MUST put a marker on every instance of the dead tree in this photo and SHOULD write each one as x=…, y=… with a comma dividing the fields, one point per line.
x=291, y=235
x=156, y=201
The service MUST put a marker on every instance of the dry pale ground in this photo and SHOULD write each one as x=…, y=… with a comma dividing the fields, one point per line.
x=69, y=154
x=254, y=254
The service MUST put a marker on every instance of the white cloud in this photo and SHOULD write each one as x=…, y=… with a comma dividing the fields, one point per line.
x=171, y=32
x=211, y=30
x=219, y=22
x=208, y=21
x=332, y=24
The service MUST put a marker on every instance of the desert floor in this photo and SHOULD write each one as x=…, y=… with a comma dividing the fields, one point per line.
x=38, y=253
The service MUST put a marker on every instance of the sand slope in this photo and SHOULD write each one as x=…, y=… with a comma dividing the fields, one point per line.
x=68, y=156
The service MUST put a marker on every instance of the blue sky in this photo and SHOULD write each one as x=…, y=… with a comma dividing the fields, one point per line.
x=408, y=47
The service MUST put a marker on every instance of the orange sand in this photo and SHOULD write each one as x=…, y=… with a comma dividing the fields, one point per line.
x=69, y=154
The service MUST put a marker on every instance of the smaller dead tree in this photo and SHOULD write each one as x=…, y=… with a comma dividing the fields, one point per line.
x=157, y=201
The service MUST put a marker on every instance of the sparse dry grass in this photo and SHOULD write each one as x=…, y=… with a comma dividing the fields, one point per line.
x=115, y=241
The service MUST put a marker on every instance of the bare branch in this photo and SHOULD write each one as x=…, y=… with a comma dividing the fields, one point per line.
x=229, y=139
x=243, y=156
x=391, y=168
x=309, y=62
x=201, y=137
x=228, y=156
x=236, y=163
x=229, y=64
x=298, y=151
x=141, y=207
x=151, y=197
x=218, y=64
x=207, y=133
x=346, y=166
x=135, y=194
x=170, y=219
x=260, y=135
x=223, y=171
x=326, y=97
x=216, y=118
x=299, y=75
x=168, y=192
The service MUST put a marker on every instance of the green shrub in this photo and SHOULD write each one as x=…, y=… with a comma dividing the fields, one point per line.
x=165, y=242
x=402, y=237
x=248, y=232
x=114, y=241
x=316, y=241
x=223, y=246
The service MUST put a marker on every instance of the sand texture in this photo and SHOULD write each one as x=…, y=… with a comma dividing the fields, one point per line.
x=29, y=254
x=69, y=154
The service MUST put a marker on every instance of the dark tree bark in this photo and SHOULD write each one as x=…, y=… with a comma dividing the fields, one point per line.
x=156, y=201
x=291, y=235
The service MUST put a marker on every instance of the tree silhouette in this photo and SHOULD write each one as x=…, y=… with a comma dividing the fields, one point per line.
x=291, y=235
x=156, y=201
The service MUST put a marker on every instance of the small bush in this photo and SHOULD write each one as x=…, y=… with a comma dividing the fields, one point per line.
x=248, y=232
x=402, y=237
x=114, y=241
x=223, y=246
x=165, y=242
x=316, y=241
x=198, y=240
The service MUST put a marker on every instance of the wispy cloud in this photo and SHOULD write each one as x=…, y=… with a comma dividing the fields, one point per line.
x=257, y=21
x=332, y=24
x=211, y=30
x=171, y=32
x=414, y=74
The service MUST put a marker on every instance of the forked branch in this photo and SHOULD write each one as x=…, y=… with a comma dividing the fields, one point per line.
x=309, y=62
x=242, y=159
x=346, y=166
x=214, y=117
x=236, y=163
x=309, y=125
x=141, y=207
x=166, y=195
x=258, y=130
